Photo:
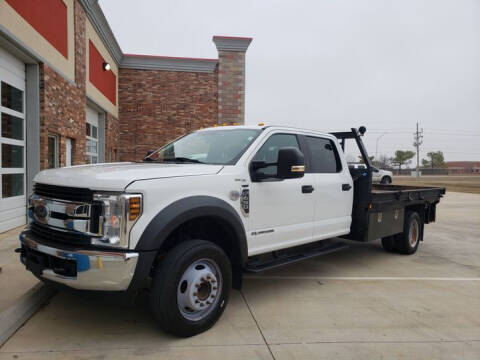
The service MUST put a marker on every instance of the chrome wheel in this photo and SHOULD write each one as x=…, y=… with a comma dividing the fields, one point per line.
x=199, y=289
x=413, y=233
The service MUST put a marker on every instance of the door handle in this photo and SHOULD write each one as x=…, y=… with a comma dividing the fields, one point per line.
x=307, y=189
x=346, y=187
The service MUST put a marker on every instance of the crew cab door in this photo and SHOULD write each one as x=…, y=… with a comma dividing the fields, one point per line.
x=333, y=193
x=281, y=211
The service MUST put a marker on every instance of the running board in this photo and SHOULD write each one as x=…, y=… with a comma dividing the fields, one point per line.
x=290, y=258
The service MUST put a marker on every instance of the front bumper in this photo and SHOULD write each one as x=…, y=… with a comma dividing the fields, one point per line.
x=79, y=269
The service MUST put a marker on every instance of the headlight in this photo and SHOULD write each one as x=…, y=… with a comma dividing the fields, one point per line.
x=119, y=213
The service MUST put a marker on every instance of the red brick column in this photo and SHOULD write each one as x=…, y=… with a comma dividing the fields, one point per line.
x=231, y=78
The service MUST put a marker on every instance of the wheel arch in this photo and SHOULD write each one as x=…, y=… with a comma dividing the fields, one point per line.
x=188, y=209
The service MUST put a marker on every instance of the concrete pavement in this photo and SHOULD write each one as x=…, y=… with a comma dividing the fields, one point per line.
x=14, y=280
x=360, y=303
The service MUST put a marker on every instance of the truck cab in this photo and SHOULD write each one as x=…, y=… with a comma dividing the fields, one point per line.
x=190, y=219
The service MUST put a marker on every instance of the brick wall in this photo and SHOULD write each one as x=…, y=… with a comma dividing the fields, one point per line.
x=231, y=87
x=112, y=138
x=231, y=78
x=156, y=106
x=63, y=105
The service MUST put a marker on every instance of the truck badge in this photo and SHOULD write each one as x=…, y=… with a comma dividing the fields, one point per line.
x=245, y=201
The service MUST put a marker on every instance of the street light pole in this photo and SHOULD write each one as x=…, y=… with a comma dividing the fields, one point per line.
x=376, y=146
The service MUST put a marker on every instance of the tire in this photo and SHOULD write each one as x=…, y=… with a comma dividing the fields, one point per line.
x=408, y=241
x=388, y=244
x=386, y=180
x=190, y=288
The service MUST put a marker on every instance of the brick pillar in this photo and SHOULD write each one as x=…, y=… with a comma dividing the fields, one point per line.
x=231, y=78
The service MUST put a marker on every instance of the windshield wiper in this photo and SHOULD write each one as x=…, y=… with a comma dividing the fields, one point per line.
x=181, y=159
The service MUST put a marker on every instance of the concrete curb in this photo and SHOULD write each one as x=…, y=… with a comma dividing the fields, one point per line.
x=16, y=315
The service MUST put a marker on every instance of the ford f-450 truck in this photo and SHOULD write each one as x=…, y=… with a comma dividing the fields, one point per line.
x=196, y=214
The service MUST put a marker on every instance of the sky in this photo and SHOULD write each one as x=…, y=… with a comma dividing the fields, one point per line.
x=335, y=64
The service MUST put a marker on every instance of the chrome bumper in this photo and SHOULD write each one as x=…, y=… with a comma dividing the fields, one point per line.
x=95, y=270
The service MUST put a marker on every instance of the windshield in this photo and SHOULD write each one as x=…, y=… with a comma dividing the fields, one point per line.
x=219, y=147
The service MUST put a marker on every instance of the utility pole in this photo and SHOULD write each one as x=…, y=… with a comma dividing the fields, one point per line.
x=376, y=147
x=417, y=141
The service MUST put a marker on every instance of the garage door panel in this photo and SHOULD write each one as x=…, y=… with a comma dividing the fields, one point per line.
x=12, y=223
x=13, y=213
x=12, y=142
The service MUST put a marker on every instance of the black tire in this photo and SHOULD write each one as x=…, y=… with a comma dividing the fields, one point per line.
x=388, y=244
x=407, y=242
x=386, y=180
x=166, y=286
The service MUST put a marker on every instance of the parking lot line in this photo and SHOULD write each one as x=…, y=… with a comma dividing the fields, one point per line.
x=362, y=278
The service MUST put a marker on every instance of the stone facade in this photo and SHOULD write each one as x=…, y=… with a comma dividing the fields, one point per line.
x=157, y=106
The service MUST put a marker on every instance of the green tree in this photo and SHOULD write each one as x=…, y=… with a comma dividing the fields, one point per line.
x=361, y=159
x=435, y=160
x=402, y=158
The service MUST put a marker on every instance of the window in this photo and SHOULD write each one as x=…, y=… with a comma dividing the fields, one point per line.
x=269, y=151
x=12, y=97
x=222, y=147
x=324, y=155
x=92, y=143
x=52, y=152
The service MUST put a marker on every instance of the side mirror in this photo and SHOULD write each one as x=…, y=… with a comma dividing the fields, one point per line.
x=147, y=158
x=290, y=164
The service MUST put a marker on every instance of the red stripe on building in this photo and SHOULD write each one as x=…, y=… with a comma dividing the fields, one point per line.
x=104, y=81
x=48, y=18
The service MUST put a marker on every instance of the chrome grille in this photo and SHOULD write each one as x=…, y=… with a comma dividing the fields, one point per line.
x=56, y=218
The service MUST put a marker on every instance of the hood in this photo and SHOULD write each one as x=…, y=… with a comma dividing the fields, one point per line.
x=117, y=176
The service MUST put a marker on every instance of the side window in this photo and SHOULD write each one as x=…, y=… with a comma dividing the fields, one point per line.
x=269, y=151
x=324, y=155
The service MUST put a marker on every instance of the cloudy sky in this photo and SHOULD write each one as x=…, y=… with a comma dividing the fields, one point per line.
x=335, y=64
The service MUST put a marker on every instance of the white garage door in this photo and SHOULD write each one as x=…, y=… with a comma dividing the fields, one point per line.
x=12, y=142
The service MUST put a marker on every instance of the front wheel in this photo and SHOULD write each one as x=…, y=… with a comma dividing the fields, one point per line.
x=191, y=287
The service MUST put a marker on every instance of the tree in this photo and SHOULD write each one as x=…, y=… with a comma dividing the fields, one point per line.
x=402, y=158
x=361, y=159
x=383, y=162
x=435, y=160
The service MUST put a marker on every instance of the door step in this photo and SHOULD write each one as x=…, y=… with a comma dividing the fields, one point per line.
x=296, y=254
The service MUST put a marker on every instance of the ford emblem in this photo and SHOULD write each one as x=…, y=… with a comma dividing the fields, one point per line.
x=41, y=213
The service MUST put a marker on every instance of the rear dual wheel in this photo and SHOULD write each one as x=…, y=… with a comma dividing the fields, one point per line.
x=406, y=242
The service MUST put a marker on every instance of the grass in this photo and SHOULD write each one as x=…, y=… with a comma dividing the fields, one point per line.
x=466, y=184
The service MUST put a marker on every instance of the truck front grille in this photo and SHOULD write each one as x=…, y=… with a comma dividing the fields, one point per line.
x=67, y=237
x=63, y=192
x=65, y=214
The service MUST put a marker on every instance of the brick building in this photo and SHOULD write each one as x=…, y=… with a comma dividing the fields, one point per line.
x=70, y=96
x=463, y=167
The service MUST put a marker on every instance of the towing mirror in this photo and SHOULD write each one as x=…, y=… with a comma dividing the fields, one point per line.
x=290, y=163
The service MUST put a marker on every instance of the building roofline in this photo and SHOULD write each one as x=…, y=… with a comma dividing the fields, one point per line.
x=100, y=23
x=170, y=57
x=232, y=37
x=168, y=63
x=231, y=43
x=153, y=62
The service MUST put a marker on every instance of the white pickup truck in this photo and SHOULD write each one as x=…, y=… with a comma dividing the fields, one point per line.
x=187, y=222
